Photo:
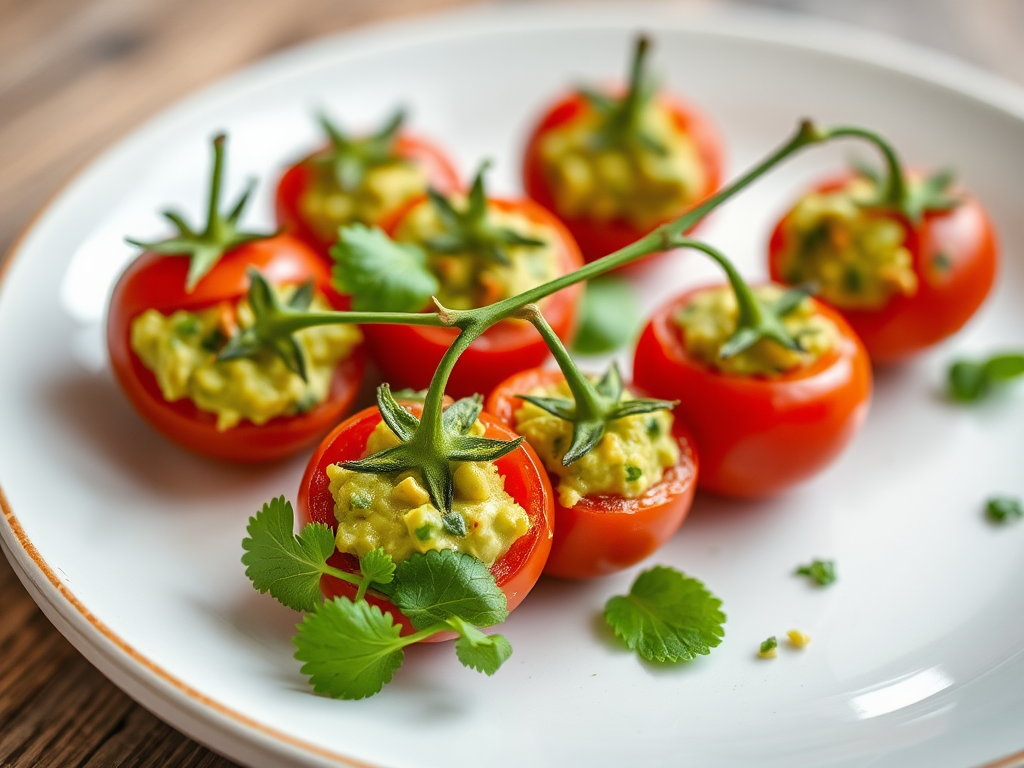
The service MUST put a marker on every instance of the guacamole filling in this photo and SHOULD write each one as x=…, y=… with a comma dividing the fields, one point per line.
x=640, y=183
x=708, y=320
x=856, y=258
x=181, y=349
x=394, y=511
x=470, y=280
x=383, y=188
x=631, y=457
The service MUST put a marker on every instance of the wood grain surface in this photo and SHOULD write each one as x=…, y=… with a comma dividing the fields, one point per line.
x=76, y=76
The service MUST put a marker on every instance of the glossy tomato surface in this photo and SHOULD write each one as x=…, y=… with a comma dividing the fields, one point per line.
x=158, y=282
x=598, y=238
x=408, y=355
x=955, y=256
x=605, y=533
x=438, y=168
x=757, y=436
x=525, y=481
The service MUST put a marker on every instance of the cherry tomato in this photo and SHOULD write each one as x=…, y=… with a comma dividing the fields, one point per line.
x=598, y=238
x=297, y=179
x=756, y=436
x=954, y=259
x=525, y=481
x=605, y=533
x=158, y=282
x=408, y=355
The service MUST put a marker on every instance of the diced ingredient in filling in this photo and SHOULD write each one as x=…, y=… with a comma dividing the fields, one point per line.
x=631, y=457
x=394, y=511
x=383, y=188
x=708, y=320
x=641, y=182
x=798, y=638
x=855, y=256
x=181, y=349
x=470, y=280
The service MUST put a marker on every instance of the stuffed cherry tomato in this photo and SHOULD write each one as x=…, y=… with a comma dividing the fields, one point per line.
x=506, y=506
x=769, y=416
x=174, y=309
x=480, y=251
x=358, y=180
x=614, y=166
x=620, y=502
x=903, y=282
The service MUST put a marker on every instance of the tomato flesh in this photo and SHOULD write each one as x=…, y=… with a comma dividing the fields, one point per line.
x=606, y=533
x=525, y=481
x=757, y=436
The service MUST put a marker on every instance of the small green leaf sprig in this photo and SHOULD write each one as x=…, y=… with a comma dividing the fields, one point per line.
x=221, y=234
x=971, y=380
x=350, y=648
x=821, y=572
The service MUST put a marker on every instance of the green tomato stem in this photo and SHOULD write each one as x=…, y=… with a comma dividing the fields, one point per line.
x=290, y=322
x=894, y=193
x=213, y=217
x=750, y=312
x=631, y=105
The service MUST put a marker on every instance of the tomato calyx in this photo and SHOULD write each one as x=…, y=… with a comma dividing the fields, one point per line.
x=619, y=118
x=469, y=231
x=432, y=451
x=920, y=196
x=592, y=405
x=350, y=158
x=222, y=233
x=757, y=319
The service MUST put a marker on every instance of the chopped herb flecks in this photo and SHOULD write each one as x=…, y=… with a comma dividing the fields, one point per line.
x=822, y=572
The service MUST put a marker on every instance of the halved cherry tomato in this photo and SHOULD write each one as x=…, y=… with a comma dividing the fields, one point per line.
x=598, y=237
x=409, y=355
x=525, y=481
x=954, y=258
x=757, y=436
x=440, y=173
x=158, y=282
x=605, y=533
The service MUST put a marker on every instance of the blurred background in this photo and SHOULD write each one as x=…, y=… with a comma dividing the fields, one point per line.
x=77, y=75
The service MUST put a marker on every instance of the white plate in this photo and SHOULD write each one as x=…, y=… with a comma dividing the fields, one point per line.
x=132, y=548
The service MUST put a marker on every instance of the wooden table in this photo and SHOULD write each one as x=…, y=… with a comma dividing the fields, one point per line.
x=74, y=78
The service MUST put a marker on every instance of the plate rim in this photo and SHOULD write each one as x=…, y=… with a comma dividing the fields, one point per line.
x=147, y=683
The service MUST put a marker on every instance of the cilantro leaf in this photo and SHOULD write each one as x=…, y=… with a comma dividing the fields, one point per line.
x=484, y=653
x=609, y=316
x=432, y=588
x=822, y=572
x=1004, y=509
x=970, y=380
x=283, y=564
x=349, y=650
x=380, y=274
x=377, y=566
x=667, y=616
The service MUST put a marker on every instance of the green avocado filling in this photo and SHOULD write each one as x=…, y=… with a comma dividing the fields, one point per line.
x=708, y=320
x=643, y=183
x=382, y=189
x=181, y=349
x=631, y=457
x=855, y=256
x=394, y=512
x=472, y=279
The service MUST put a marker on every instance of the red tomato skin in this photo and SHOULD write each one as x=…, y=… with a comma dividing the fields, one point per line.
x=599, y=238
x=440, y=171
x=945, y=300
x=407, y=356
x=756, y=436
x=158, y=282
x=604, y=534
x=516, y=571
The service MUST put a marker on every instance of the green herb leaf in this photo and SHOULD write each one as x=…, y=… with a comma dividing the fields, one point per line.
x=633, y=473
x=667, y=616
x=379, y=273
x=609, y=317
x=432, y=588
x=484, y=653
x=377, y=566
x=1004, y=509
x=768, y=647
x=283, y=564
x=349, y=650
x=971, y=380
x=822, y=572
